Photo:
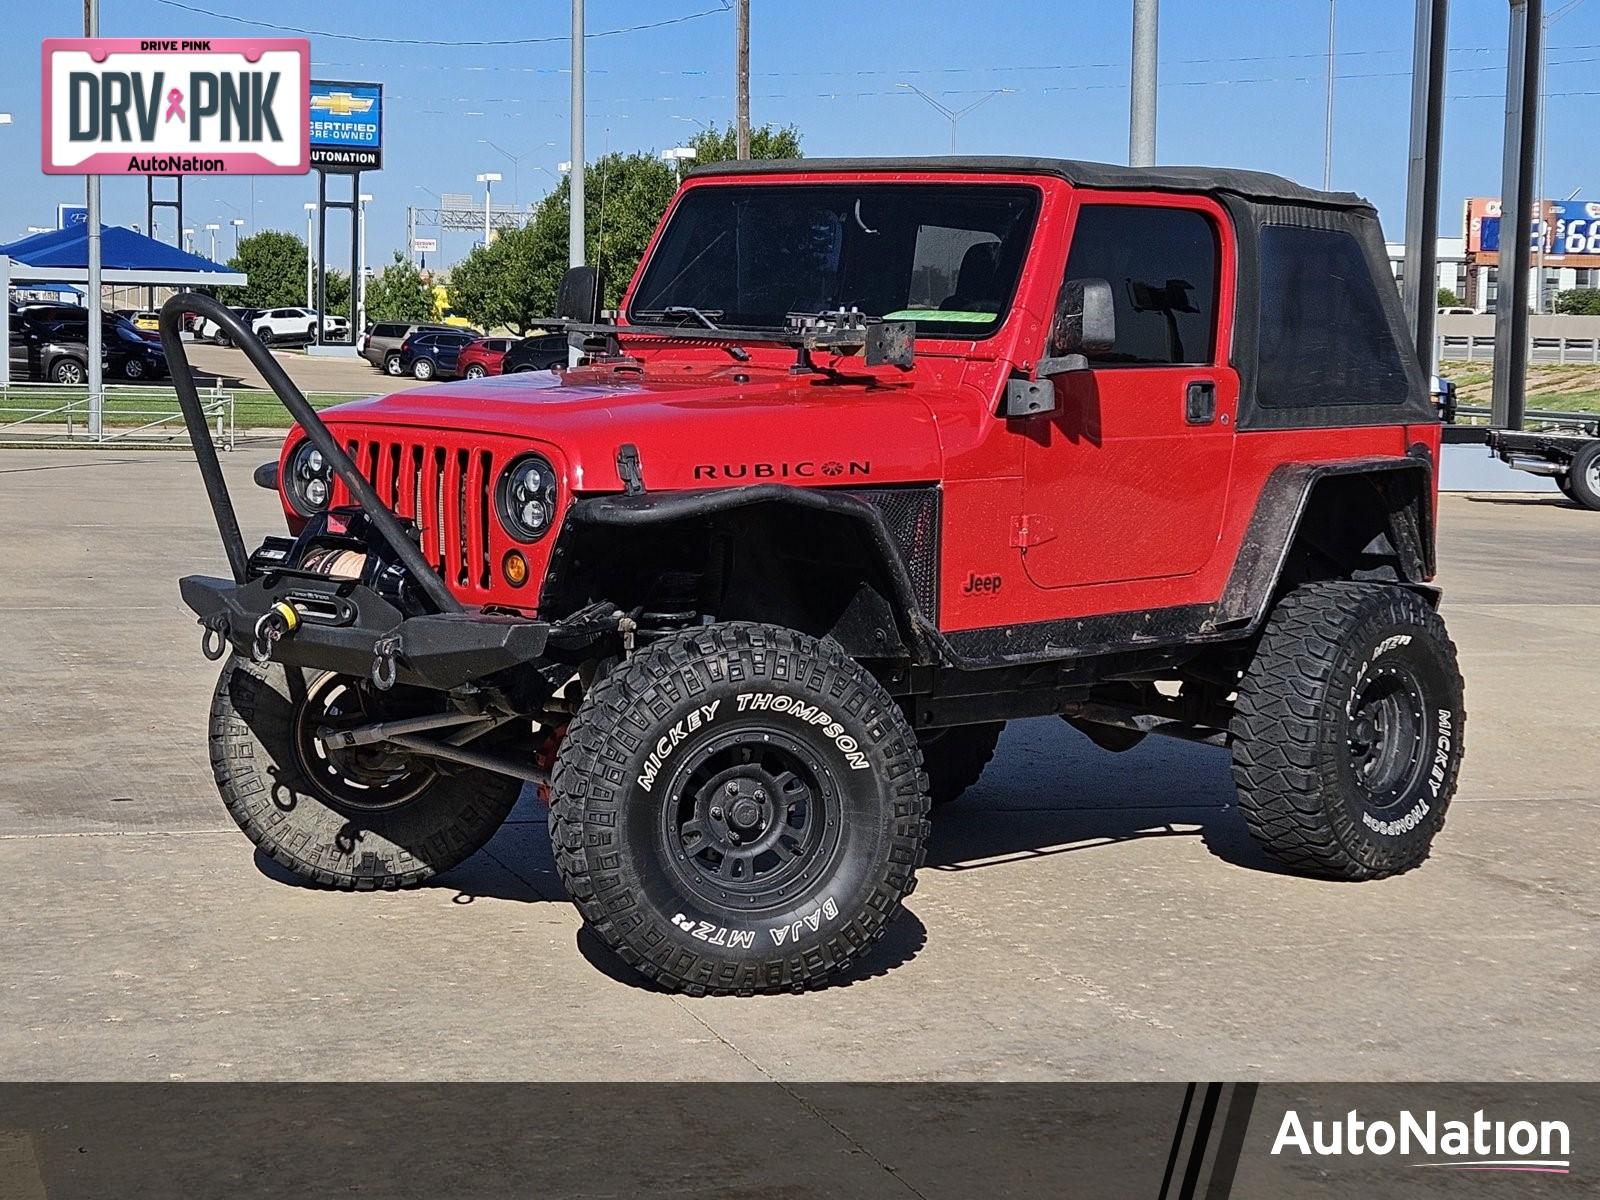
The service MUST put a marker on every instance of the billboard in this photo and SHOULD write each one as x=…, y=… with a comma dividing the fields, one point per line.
x=169, y=106
x=346, y=125
x=1568, y=229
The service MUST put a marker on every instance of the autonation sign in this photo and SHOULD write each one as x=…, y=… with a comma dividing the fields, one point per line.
x=169, y=106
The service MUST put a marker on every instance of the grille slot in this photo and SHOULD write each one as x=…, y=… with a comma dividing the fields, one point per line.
x=443, y=493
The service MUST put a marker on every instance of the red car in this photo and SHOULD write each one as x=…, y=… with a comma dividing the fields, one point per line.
x=483, y=357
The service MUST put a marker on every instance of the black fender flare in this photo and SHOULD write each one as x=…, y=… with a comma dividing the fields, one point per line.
x=643, y=509
x=1275, y=523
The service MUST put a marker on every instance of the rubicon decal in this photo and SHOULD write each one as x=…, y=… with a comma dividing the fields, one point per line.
x=1477, y=1143
x=805, y=468
x=214, y=106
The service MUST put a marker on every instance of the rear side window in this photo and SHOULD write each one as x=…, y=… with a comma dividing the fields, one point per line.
x=1324, y=337
x=1162, y=266
x=388, y=331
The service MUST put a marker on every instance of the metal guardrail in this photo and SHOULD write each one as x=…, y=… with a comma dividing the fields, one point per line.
x=58, y=414
x=1466, y=347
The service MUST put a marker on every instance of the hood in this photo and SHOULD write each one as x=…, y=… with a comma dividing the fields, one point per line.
x=692, y=427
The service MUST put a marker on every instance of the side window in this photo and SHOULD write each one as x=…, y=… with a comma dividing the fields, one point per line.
x=1162, y=265
x=1324, y=339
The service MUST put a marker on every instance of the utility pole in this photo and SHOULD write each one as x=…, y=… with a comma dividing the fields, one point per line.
x=1420, y=282
x=742, y=117
x=1327, y=119
x=97, y=399
x=1523, y=56
x=1142, y=101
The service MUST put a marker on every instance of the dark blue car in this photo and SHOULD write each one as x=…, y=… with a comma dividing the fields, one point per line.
x=433, y=355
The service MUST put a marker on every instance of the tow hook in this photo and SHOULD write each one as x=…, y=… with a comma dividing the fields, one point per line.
x=214, y=637
x=277, y=623
x=385, y=651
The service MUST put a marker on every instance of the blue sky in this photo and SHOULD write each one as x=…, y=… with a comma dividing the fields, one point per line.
x=1242, y=84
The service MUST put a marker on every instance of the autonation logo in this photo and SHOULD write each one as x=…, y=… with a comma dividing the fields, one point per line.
x=1479, y=1144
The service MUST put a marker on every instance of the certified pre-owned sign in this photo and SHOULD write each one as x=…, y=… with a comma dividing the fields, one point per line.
x=170, y=106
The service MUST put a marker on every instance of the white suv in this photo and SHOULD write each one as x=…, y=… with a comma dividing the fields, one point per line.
x=296, y=324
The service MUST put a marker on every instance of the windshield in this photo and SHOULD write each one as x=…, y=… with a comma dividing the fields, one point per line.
x=946, y=256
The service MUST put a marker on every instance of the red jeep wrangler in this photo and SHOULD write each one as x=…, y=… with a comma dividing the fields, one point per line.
x=879, y=456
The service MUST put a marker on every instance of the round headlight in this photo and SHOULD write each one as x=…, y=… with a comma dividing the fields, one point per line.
x=309, y=480
x=526, y=498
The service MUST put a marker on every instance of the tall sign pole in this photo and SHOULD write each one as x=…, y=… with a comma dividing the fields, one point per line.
x=575, y=172
x=1422, y=185
x=1142, y=101
x=97, y=395
x=742, y=117
x=1516, y=214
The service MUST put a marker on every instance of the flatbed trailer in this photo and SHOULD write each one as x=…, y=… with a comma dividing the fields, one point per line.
x=1571, y=458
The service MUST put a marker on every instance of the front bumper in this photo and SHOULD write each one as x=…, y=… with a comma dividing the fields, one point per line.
x=349, y=629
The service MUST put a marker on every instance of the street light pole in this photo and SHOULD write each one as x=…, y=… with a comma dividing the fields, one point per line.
x=488, y=179
x=742, y=73
x=575, y=175
x=361, y=262
x=213, y=229
x=954, y=115
x=1327, y=118
x=91, y=28
x=1142, y=84
x=238, y=224
x=311, y=211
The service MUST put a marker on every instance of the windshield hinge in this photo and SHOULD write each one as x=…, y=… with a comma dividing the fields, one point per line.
x=628, y=469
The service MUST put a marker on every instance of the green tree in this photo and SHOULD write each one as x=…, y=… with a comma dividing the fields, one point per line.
x=513, y=281
x=399, y=293
x=714, y=145
x=1579, y=302
x=276, y=264
x=1448, y=299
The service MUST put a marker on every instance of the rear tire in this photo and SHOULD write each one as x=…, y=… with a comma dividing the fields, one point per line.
x=955, y=758
x=68, y=371
x=391, y=365
x=1348, y=731
x=738, y=809
x=1582, y=482
x=352, y=820
x=476, y=372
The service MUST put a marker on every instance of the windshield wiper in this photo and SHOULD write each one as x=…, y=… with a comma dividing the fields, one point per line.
x=739, y=353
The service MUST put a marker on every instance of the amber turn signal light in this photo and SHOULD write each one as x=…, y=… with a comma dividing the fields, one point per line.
x=515, y=568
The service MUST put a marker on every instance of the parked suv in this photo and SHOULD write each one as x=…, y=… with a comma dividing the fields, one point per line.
x=296, y=325
x=537, y=353
x=209, y=331
x=483, y=356
x=433, y=355
x=759, y=582
x=380, y=346
x=50, y=343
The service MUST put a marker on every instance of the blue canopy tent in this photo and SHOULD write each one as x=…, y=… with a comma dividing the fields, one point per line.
x=126, y=257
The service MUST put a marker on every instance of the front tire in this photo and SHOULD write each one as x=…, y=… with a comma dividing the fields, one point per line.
x=1347, y=734
x=358, y=820
x=739, y=809
x=422, y=368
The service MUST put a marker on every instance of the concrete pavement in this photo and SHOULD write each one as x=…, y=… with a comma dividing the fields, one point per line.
x=1083, y=915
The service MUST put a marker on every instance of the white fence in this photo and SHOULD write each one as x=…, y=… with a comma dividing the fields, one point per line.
x=58, y=414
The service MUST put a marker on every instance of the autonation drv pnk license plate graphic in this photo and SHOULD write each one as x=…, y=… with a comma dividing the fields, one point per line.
x=172, y=106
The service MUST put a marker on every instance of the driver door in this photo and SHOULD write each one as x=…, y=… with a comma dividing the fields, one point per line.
x=1128, y=479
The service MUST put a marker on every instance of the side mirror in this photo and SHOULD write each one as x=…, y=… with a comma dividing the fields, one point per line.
x=578, y=300
x=1085, y=323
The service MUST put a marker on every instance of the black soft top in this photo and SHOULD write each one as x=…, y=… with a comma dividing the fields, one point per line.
x=1252, y=185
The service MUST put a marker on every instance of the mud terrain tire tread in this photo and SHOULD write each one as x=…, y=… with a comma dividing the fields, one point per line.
x=468, y=806
x=589, y=783
x=1285, y=705
x=956, y=758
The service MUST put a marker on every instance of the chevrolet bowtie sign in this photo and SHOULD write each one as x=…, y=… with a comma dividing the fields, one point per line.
x=171, y=106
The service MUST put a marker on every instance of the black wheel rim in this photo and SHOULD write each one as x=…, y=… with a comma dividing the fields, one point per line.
x=366, y=778
x=751, y=819
x=1387, y=735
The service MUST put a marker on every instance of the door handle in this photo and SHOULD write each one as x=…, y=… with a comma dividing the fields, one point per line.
x=1200, y=402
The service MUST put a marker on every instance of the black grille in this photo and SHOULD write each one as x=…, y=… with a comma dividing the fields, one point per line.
x=912, y=515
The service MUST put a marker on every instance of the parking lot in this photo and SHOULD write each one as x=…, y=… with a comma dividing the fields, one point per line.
x=1082, y=915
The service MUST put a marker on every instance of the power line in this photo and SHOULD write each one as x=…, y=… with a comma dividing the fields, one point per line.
x=388, y=41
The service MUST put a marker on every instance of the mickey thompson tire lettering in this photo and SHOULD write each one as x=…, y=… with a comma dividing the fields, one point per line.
x=704, y=713
x=1332, y=653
